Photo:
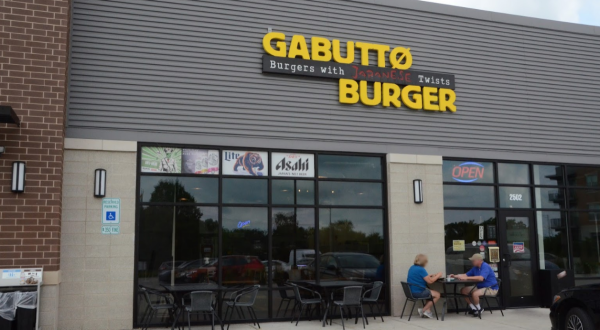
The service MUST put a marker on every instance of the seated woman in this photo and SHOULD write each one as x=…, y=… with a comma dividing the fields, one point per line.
x=418, y=275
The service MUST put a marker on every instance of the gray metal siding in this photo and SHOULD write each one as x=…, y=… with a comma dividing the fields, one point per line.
x=190, y=72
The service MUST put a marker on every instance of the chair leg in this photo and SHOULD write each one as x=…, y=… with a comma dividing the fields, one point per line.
x=379, y=309
x=499, y=306
x=286, y=308
x=362, y=313
x=435, y=310
x=189, y=322
x=489, y=307
x=405, y=302
x=212, y=314
x=278, y=309
x=255, y=317
x=218, y=318
x=342, y=316
x=230, y=317
x=412, y=310
x=301, y=311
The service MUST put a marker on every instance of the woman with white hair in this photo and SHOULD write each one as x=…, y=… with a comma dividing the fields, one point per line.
x=419, y=276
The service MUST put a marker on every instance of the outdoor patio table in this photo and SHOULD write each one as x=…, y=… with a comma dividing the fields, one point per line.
x=327, y=287
x=180, y=290
x=453, y=294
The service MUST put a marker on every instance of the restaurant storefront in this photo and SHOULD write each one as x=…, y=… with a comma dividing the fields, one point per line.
x=243, y=143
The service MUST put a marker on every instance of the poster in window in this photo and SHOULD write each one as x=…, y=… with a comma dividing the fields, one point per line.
x=458, y=245
x=161, y=160
x=293, y=165
x=200, y=161
x=494, y=254
x=252, y=163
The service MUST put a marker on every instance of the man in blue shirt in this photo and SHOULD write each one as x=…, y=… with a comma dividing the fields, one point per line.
x=481, y=271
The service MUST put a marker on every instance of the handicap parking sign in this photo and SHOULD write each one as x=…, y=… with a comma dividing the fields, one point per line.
x=111, y=211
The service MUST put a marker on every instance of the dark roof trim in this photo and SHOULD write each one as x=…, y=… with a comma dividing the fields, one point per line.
x=8, y=115
x=433, y=7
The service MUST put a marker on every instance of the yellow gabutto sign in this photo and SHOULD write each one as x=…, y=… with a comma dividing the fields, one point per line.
x=391, y=86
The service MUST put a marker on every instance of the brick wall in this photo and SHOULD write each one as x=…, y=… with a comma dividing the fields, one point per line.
x=33, y=60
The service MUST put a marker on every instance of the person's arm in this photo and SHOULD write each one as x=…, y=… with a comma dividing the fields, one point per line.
x=430, y=279
x=470, y=276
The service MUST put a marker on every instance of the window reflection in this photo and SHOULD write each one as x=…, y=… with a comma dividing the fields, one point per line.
x=585, y=237
x=463, y=226
x=293, y=244
x=513, y=173
x=584, y=198
x=583, y=176
x=349, y=167
x=245, y=191
x=350, y=193
x=156, y=189
x=549, y=198
x=548, y=175
x=244, y=246
x=468, y=196
x=553, y=244
x=284, y=191
x=352, y=244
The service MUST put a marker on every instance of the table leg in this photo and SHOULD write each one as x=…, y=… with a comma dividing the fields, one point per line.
x=455, y=299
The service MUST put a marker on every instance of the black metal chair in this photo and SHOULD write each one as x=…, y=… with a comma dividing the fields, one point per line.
x=371, y=297
x=201, y=302
x=352, y=298
x=163, y=303
x=496, y=296
x=410, y=297
x=283, y=295
x=243, y=298
x=305, y=303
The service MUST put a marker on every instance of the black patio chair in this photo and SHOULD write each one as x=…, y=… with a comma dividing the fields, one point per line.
x=244, y=298
x=352, y=298
x=410, y=297
x=161, y=302
x=371, y=297
x=201, y=302
x=283, y=295
x=303, y=303
x=496, y=296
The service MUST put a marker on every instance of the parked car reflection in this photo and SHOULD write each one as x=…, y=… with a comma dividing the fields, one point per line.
x=347, y=266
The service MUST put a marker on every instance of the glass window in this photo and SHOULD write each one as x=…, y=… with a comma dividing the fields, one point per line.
x=245, y=247
x=462, y=240
x=549, y=198
x=305, y=192
x=553, y=240
x=513, y=173
x=467, y=171
x=349, y=167
x=352, y=244
x=584, y=198
x=515, y=197
x=293, y=244
x=583, y=176
x=282, y=192
x=245, y=191
x=548, y=175
x=585, y=238
x=468, y=196
x=350, y=193
x=179, y=189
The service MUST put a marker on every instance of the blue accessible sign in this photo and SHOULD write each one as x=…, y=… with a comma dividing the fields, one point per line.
x=111, y=211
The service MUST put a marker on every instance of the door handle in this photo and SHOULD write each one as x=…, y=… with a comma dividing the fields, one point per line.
x=506, y=258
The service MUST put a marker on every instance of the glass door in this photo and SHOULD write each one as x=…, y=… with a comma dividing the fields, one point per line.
x=518, y=258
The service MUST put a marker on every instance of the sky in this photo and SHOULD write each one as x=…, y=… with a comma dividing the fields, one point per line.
x=574, y=11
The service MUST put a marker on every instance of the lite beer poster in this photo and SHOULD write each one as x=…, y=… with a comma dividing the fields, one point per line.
x=291, y=164
x=236, y=162
x=161, y=159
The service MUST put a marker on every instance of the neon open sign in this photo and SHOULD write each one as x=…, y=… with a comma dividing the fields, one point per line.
x=468, y=172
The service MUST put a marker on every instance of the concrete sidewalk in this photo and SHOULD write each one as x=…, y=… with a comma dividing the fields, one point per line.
x=526, y=318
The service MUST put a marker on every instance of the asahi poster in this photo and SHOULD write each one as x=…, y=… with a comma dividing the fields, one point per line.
x=200, y=161
x=253, y=163
x=161, y=159
x=294, y=165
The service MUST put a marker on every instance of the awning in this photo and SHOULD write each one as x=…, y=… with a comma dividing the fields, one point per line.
x=8, y=115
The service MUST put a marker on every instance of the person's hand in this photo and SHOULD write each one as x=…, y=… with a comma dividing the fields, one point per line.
x=439, y=275
x=461, y=277
x=452, y=276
